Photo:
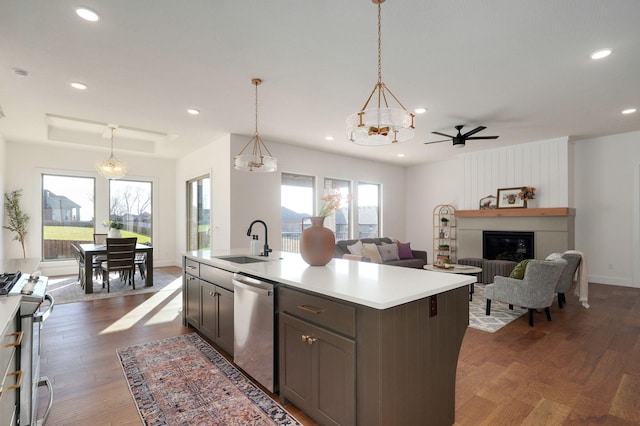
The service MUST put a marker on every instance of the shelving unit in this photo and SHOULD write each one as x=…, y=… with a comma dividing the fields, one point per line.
x=444, y=233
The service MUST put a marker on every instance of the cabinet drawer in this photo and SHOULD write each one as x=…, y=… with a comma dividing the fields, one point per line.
x=324, y=312
x=9, y=341
x=192, y=267
x=217, y=276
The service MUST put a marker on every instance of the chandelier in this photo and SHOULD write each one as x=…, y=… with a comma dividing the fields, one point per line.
x=379, y=124
x=259, y=159
x=111, y=168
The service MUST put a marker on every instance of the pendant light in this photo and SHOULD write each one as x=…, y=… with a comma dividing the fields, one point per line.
x=111, y=168
x=259, y=159
x=380, y=125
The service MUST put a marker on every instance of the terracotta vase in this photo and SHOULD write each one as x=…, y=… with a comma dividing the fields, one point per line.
x=317, y=243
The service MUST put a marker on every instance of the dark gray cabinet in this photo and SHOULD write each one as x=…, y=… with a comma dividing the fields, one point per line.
x=208, y=302
x=217, y=315
x=318, y=356
x=349, y=364
x=317, y=371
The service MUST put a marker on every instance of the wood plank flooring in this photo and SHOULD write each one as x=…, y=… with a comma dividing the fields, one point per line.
x=581, y=368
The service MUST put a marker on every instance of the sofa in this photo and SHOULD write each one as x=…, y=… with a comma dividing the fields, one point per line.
x=418, y=257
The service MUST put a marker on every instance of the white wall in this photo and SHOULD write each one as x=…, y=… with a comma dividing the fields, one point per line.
x=257, y=196
x=429, y=185
x=214, y=160
x=3, y=156
x=545, y=165
x=606, y=193
x=26, y=162
x=240, y=197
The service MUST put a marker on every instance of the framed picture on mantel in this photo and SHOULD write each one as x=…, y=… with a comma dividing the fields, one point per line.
x=508, y=198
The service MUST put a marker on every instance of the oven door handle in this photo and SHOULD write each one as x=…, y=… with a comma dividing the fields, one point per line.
x=42, y=316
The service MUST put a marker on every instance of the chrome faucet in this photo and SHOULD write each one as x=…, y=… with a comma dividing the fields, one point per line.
x=266, y=240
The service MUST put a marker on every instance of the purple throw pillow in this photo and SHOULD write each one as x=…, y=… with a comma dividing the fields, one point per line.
x=404, y=250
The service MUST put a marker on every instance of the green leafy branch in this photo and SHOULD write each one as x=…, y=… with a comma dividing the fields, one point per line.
x=18, y=220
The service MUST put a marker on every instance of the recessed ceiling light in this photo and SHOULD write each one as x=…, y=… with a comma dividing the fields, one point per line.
x=602, y=53
x=79, y=86
x=400, y=155
x=420, y=110
x=87, y=14
x=329, y=138
x=193, y=111
x=629, y=111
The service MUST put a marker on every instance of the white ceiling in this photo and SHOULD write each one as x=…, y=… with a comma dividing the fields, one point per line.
x=519, y=67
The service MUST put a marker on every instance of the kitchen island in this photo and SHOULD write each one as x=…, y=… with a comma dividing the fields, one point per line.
x=358, y=343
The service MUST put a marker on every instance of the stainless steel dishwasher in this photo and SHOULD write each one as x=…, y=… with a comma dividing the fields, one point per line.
x=254, y=337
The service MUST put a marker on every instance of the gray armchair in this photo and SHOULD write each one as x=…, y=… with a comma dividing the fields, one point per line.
x=566, y=279
x=535, y=291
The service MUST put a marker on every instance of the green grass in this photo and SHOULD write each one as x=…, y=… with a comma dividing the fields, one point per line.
x=73, y=233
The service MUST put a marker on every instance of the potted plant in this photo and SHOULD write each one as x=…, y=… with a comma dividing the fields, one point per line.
x=18, y=220
x=444, y=221
x=114, y=228
x=443, y=247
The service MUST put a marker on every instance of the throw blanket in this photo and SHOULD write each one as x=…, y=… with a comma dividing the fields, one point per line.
x=582, y=288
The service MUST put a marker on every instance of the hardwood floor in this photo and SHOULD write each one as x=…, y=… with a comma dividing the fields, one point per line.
x=581, y=368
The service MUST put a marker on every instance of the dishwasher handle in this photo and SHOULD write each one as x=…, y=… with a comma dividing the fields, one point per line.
x=251, y=284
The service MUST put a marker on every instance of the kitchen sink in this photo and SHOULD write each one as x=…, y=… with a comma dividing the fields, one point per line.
x=241, y=259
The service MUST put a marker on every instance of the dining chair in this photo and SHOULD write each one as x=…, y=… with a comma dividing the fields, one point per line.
x=79, y=257
x=121, y=253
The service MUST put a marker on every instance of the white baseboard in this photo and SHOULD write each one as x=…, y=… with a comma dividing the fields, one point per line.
x=624, y=282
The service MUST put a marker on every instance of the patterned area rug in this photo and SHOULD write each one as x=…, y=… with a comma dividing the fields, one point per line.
x=182, y=380
x=500, y=316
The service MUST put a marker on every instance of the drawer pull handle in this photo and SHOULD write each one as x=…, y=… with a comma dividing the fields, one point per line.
x=18, y=381
x=308, y=339
x=191, y=267
x=311, y=309
x=19, y=335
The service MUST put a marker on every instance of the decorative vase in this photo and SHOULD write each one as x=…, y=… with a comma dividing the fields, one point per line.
x=114, y=233
x=317, y=243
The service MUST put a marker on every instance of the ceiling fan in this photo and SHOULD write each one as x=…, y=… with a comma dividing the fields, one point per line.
x=459, y=140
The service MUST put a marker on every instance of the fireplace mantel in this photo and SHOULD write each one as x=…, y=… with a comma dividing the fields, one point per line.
x=553, y=228
x=532, y=212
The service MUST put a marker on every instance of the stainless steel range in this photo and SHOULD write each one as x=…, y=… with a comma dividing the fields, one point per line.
x=35, y=308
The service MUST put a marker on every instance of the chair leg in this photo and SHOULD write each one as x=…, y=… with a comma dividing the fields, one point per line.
x=561, y=300
x=530, y=317
x=510, y=306
x=548, y=313
x=488, y=310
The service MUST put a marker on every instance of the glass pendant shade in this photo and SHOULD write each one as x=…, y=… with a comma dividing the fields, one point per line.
x=259, y=159
x=380, y=125
x=111, y=168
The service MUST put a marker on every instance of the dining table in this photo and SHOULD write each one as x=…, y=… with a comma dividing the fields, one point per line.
x=91, y=250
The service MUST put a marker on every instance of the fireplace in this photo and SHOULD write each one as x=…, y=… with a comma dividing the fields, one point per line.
x=507, y=245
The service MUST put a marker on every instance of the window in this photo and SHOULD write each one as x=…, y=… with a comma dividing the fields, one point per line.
x=368, y=210
x=130, y=203
x=68, y=214
x=297, y=195
x=199, y=213
x=341, y=220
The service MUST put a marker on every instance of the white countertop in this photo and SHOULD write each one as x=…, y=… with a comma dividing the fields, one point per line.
x=364, y=283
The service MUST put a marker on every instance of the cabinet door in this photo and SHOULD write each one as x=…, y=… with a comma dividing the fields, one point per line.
x=295, y=362
x=333, y=376
x=192, y=307
x=224, y=336
x=317, y=371
x=209, y=314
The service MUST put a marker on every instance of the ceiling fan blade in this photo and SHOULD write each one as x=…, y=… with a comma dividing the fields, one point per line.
x=444, y=140
x=443, y=134
x=474, y=131
x=482, y=137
